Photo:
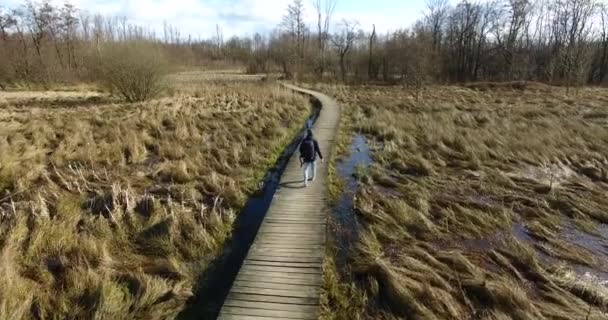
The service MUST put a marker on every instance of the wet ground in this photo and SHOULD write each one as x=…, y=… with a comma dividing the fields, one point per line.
x=344, y=220
x=346, y=226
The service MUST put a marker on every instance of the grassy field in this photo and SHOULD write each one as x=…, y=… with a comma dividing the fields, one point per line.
x=112, y=210
x=484, y=202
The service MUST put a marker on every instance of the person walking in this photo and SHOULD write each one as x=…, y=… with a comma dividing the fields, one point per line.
x=309, y=149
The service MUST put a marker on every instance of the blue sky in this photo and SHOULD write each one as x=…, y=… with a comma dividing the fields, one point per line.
x=245, y=17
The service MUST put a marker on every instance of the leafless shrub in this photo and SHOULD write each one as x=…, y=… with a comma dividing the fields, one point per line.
x=134, y=71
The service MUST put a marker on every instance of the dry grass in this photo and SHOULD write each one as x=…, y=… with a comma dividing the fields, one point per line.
x=483, y=204
x=112, y=210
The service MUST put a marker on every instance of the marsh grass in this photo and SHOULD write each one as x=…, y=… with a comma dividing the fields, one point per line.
x=465, y=212
x=112, y=210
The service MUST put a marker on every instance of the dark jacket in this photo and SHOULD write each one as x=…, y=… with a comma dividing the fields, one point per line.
x=317, y=150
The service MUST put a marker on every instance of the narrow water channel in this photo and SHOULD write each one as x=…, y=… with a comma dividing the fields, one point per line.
x=214, y=284
x=345, y=223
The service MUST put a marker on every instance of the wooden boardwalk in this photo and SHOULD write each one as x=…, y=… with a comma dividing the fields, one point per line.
x=282, y=275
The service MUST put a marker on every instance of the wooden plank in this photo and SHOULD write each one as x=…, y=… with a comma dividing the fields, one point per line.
x=276, y=241
x=310, y=293
x=316, y=228
x=291, y=237
x=296, y=211
x=271, y=306
x=313, y=212
x=297, y=215
x=273, y=285
x=279, y=223
x=263, y=250
x=288, y=245
x=287, y=239
x=271, y=239
x=287, y=280
x=286, y=253
x=254, y=268
x=281, y=275
x=287, y=257
x=300, y=270
x=294, y=229
x=284, y=264
x=281, y=314
x=282, y=220
x=224, y=316
x=273, y=299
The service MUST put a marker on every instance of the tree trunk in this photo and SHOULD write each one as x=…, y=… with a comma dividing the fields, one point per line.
x=343, y=68
x=370, y=66
x=604, y=62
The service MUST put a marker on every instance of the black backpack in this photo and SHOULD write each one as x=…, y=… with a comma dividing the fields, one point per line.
x=307, y=150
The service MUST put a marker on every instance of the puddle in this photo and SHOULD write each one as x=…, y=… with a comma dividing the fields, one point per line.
x=591, y=275
x=555, y=173
x=593, y=243
x=492, y=242
x=214, y=285
x=346, y=225
x=598, y=245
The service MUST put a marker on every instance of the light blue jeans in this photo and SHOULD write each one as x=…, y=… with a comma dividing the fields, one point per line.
x=306, y=166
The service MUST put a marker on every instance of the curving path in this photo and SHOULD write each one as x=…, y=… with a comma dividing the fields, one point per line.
x=282, y=275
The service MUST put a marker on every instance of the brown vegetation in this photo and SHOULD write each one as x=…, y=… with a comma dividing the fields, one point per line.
x=480, y=204
x=112, y=210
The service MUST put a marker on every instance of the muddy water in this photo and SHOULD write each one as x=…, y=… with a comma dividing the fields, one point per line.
x=345, y=223
x=215, y=283
x=596, y=243
x=494, y=241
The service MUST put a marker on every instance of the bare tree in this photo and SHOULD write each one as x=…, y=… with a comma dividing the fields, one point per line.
x=343, y=42
x=509, y=29
x=68, y=27
x=293, y=24
x=7, y=21
x=371, y=70
x=437, y=11
x=325, y=10
x=602, y=65
x=572, y=30
x=486, y=16
x=39, y=17
x=219, y=39
x=462, y=36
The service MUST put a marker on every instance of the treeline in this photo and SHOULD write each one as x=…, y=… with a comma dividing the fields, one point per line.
x=562, y=42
